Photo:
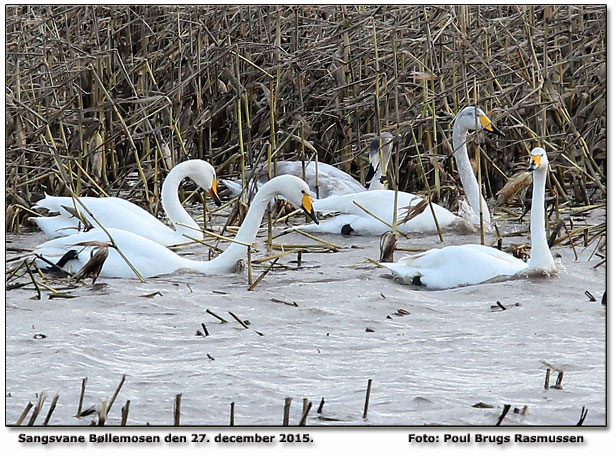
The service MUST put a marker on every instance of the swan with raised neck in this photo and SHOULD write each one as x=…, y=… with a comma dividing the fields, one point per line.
x=204, y=175
x=469, y=119
x=152, y=259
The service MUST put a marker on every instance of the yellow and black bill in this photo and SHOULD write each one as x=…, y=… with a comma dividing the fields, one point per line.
x=535, y=162
x=486, y=123
x=308, y=209
x=213, y=192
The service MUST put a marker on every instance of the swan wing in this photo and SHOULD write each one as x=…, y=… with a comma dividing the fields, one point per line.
x=148, y=257
x=332, y=181
x=380, y=203
x=111, y=212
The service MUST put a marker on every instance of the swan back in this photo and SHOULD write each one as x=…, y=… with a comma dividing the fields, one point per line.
x=455, y=266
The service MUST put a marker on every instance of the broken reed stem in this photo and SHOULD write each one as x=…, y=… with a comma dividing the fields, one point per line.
x=502, y=416
x=546, y=383
x=263, y=274
x=277, y=255
x=238, y=320
x=125, y=413
x=83, y=392
x=52, y=407
x=321, y=404
x=222, y=320
x=38, y=290
x=249, y=260
x=115, y=394
x=559, y=380
x=285, y=416
x=177, y=409
x=367, y=401
x=37, y=409
x=232, y=415
x=583, y=416
x=307, y=407
x=102, y=414
x=23, y=414
x=331, y=245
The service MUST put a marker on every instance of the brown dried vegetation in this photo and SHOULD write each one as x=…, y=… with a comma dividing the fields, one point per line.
x=105, y=99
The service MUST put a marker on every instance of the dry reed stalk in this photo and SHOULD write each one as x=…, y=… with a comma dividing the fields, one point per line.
x=367, y=401
x=37, y=408
x=177, y=406
x=287, y=409
x=52, y=407
x=542, y=71
x=23, y=415
x=307, y=407
x=125, y=410
x=84, y=381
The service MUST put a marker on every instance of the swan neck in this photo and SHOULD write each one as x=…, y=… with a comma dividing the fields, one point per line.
x=540, y=255
x=182, y=221
x=467, y=176
x=247, y=233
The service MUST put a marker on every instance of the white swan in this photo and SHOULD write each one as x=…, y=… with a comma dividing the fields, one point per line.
x=152, y=259
x=332, y=181
x=470, y=264
x=352, y=219
x=113, y=212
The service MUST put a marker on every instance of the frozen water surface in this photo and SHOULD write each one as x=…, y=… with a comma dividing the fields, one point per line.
x=429, y=367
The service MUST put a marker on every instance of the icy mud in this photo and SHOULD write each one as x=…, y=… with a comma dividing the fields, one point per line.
x=320, y=331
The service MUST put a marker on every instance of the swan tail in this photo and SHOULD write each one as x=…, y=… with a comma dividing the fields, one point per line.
x=407, y=273
x=51, y=203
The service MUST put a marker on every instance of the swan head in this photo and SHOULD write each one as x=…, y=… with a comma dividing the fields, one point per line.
x=295, y=190
x=204, y=175
x=473, y=118
x=387, y=140
x=538, y=159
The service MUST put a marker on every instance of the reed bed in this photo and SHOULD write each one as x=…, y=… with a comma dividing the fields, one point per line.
x=104, y=100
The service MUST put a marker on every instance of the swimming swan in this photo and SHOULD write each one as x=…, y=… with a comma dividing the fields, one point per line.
x=352, y=218
x=113, y=212
x=470, y=264
x=332, y=181
x=152, y=259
